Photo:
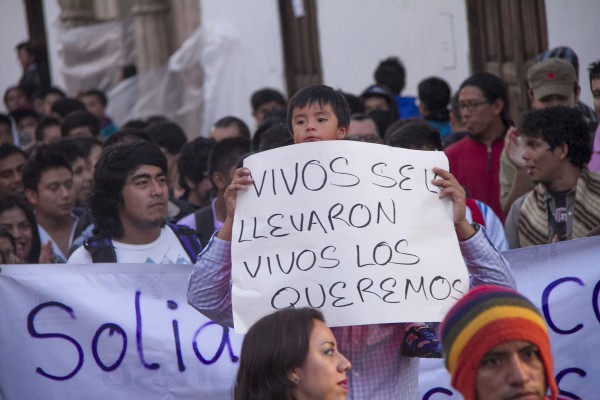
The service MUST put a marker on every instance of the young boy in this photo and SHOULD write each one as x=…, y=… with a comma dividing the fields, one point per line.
x=594, y=69
x=380, y=371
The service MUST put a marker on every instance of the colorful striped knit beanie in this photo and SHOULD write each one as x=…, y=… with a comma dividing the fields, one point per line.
x=484, y=318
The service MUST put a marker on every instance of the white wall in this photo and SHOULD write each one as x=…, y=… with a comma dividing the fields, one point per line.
x=257, y=23
x=13, y=29
x=575, y=24
x=430, y=37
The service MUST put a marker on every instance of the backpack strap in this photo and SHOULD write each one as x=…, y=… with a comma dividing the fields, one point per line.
x=476, y=213
x=100, y=248
x=188, y=239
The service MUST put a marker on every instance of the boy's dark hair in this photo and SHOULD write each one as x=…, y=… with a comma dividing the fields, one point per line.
x=435, y=94
x=193, y=161
x=42, y=160
x=168, y=135
x=321, y=95
x=113, y=168
x=21, y=113
x=266, y=95
x=231, y=120
x=225, y=154
x=78, y=119
x=70, y=148
x=278, y=135
x=127, y=135
x=8, y=149
x=391, y=73
x=414, y=134
x=560, y=125
x=25, y=46
x=493, y=88
x=594, y=70
x=44, y=123
x=99, y=94
x=66, y=106
x=53, y=90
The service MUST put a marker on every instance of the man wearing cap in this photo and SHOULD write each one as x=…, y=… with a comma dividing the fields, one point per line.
x=565, y=201
x=552, y=82
x=496, y=347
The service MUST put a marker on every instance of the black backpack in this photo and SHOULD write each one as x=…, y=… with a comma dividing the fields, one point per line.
x=102, y=251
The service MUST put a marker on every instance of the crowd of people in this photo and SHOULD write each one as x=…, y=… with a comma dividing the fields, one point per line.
x=77, y=188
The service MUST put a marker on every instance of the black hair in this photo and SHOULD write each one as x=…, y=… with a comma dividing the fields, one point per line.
x=87, y=144
x=78, y=119
x=70, y=148
x=99, y=94
x=44, y=123
x=229, y=120
x=8, y=149
x=266, y=95
x=21, y=113
x=391, y=73
x=414, y=134
x=168, y=135
x=594, y=70
x=355, y=103
x=321, y=95
x=271, y=120
x=560, y=125
x=276, y=136
x=25, y=46
x=10, y=201
x=226, y=154
x=136, y=123
x=193, y=162
x=493, y=88
x=114, y=166
x=434, y=93
x=43, y=159
x=5, y=120
x=12, y=88
x=127, y=135
x=53, y=90
x=272, y=348
x=7, y=235
x=66, y=106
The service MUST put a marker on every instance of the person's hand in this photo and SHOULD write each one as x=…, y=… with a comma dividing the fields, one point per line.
x=241, y=180
x=514, y=148
x=46, y=253
x=452, y=189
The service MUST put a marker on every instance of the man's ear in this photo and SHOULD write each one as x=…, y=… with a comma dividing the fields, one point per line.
x=342, y=132
x=219, y=180
x=498, y=106
x=31, y=197
x=562, y=151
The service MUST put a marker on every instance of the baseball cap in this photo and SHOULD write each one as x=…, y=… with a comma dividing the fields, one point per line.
x=552, y=76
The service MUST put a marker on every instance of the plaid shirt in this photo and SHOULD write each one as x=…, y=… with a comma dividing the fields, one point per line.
x=379, y=371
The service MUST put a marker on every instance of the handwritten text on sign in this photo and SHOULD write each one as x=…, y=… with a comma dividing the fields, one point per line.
x=356, y=230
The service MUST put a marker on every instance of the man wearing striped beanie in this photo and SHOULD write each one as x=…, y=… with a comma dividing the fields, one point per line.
x=496, y=346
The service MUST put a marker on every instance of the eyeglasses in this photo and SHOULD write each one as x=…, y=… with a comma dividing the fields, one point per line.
x=471, y=105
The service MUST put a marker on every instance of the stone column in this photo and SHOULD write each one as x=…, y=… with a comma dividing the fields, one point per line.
x=152, y=33
x=185, y=19
x=76, y=12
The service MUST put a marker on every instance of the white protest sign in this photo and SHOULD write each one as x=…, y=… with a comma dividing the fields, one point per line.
x=563, y=281
x=354, y=229
x=109, y=331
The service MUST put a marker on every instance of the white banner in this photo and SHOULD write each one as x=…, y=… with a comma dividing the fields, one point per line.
x=563, y=281
x=354, y=229
x=109, y=331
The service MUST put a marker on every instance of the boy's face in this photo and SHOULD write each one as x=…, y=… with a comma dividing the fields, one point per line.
x=55, y=195
x=314, y=123
x=596, y=95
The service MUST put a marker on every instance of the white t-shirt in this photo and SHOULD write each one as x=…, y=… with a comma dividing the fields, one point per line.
x=166, y=249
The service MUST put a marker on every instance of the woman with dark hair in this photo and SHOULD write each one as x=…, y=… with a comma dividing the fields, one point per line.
x=291, y=355
x=17, y=218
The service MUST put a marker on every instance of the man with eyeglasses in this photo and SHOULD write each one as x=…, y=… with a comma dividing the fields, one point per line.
x=565, y=201
x=475, y=159
x=363, y=129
